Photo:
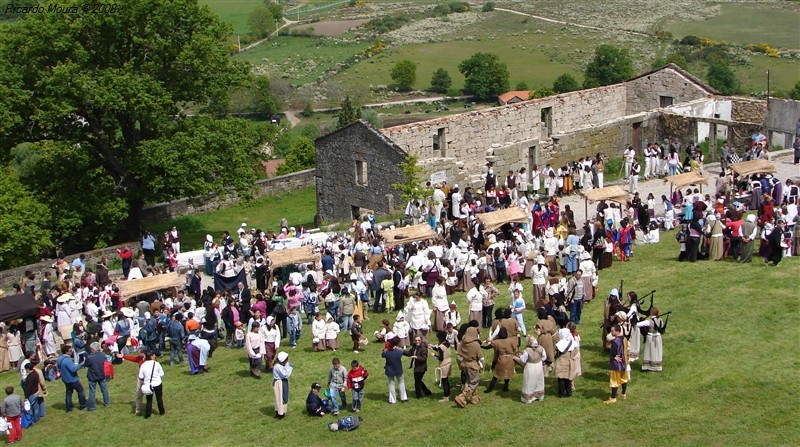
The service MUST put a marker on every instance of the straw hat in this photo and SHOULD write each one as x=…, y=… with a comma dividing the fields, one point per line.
x=46, y=318
x=63, y=298
x=128, y=312
x=107, y=314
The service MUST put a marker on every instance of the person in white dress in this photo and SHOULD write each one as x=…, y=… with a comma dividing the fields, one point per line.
x=532, y=360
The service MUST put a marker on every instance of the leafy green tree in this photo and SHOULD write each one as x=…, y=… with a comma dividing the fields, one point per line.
x=301, y=156
x=310, y=131
x=24, y=233
x=672, y=58
x=414, y=185
x=262, y=94
x=117, y=83
x=404, y=73
x=611, y=65
x=541, y=93
x=795, y=93
x=261, y=22
x=522, y=86
x=565, y=83
x=275, y=9
x=348, y=114
x=441, y=81
x=721, y=77
x=485, y=75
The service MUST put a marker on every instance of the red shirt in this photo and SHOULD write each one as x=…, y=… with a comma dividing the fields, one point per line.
x=356, y=378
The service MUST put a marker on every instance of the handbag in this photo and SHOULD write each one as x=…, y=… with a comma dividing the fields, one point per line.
x=280, y=309
x=147, y=388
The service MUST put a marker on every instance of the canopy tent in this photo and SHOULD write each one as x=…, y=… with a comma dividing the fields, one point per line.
x=496, y=219
x=131, y=288
x=753, y=167
x=615, y=193
x=414, y=233
x=687, y=178
x=299, y=255
x=16, y=306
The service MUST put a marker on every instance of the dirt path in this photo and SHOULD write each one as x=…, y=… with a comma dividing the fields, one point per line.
x=286, y=23
x=561, y=22
x=292, y=117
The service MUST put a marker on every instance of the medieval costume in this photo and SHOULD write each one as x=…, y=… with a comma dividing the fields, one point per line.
x=469, y=353
x=546, y=328
x=505, y=347
x=748, y=232
x=533, y=373
x=565, y=361
x=618, y=362
x=653, y=348
x=280, y=385
x=715, y=246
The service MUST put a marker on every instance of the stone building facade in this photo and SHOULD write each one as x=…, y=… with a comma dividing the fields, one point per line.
x=554, y=130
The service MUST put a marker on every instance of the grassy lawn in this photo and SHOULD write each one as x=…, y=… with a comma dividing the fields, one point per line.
x=728, y=380
x=746, y=25
x=234, y=12
x=298, y=207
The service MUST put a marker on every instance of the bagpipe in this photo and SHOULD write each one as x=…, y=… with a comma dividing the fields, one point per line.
x=661, y=329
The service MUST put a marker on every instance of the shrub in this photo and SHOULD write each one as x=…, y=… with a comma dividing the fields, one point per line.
x=440, y=11
x=541, y=93
x=690, y=40
x=488, y=7
x=721, y=77
x=458, y=6
x=441, y=81
x=307, y=110
x=565, y=83
x=371, y=116
x=388, y=23
x=795, y=93
x=522, y=86
x=663, y=35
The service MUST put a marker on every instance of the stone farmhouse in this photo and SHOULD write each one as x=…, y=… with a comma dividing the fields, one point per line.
x=357, y=165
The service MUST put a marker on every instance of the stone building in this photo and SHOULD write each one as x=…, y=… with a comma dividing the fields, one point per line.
x=356, y=165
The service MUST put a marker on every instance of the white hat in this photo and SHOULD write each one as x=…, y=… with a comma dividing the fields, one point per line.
x=540, y=259
x=329, y=272
x=400, y=315
x=64, y=298
x=751, y=218
x=192, y=337
x=209, y=238
x=585, y=256
x=240, y=230
x=453, y=303
x=390, y=335
x=270, y=319
x=353, y=277
x=128, y=312
x=107, y=314
x=147, y=315
x=282, y=356
x=244, y=225
x=46, y=318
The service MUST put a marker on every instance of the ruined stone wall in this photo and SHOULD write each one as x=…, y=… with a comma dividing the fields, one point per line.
x=469, y=136
x=748, y=110
x=337, y=189
x=643, y=93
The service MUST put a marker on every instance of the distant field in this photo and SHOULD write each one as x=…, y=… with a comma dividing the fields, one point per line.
x=330, y=27
x=778, y=27
x=234, y=12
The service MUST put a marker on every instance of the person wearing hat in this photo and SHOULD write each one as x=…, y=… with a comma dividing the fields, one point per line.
x=532, y=361
x=748, y=232
x=47, y=336
x=469, y=356
x=197, y=350
x=401, y=329
x=280, y=384
x=314, y=403
x=64, y=315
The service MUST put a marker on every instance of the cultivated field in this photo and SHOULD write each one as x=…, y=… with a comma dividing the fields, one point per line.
x=729, y=379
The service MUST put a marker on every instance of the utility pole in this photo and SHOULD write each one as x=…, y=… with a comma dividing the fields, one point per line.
x=766, y=115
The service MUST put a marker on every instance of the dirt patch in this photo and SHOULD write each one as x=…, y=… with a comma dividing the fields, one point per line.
x=329, y=28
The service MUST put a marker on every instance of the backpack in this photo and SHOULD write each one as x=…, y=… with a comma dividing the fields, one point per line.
x=346, y=423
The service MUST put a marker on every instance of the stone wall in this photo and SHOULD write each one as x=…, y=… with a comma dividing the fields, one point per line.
x=469, y=137
x=187, y=206
x=644, y=92
x=748, y=110
x=12, y=276
x=783, y=116
x=338, y=190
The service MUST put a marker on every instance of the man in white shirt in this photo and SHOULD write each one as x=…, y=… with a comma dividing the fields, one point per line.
x=629, y=155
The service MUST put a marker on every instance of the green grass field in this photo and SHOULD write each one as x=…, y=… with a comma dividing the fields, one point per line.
x=746, y=25
x=234, y=12
x=729, y=378
x=298, y=207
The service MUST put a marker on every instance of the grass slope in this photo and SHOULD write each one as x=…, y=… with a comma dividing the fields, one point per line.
x=234, y=12
x=298, y=207
x=729, y=379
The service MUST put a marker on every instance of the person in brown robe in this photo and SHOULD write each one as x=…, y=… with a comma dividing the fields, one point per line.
x=545, y=328
x=469, y=355
x=715, y=246
x=504, y=349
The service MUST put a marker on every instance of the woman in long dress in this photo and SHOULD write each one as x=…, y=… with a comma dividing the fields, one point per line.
x=715, y=246
x=532, y=359
x=565, y=362
x=5, y=358
x=540, y=274
x=15, y=353
x=280, y=384
x=653, y=347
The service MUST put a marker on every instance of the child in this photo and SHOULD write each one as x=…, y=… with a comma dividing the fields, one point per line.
x=331, y=334
x=337, y=382
x=318, y=328
x=380, y=335
x=314, y=404
x=12, y=408
x=355, y=332
x=295, y=326
x=387, y=287
x=681, y=236
x=356, y=379
x=238, y=335
x=401, y=329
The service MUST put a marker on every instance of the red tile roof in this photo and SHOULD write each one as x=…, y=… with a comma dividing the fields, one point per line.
x=508, y=96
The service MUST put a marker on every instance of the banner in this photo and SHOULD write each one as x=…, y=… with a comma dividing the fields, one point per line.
x=224, y=282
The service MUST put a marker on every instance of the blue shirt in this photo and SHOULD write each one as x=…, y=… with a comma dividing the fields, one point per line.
x=149, y=243
x=68, y=368
x=394, y=364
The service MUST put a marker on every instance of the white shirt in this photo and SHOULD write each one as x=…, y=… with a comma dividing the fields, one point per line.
x=475, y=300
x=418, y=313
x=151, y=373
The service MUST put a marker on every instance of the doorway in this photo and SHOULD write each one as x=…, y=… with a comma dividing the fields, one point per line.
x=636, y=137
x=355, y=212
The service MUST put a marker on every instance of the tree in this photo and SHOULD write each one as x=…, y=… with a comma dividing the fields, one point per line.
x=301, y=156
x=24, y=233
x=371, y=116
x=522, y=86
x=485, y=75
x=488, y=7
x=565, y=83
x=440, y=81
x=721, y=77
x=795, y=93
x=404, y=73
x=348, y=114
x=541, y=93
x=413, y=187
x=261, y=22
x=672, y=58
x=611, y=65
x=263, y=96
x=275, y=9
x=117, y=83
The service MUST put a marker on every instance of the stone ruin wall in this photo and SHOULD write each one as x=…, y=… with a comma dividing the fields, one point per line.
x=643, y=93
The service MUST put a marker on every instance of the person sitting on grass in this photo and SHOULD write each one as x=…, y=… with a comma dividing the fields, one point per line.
x=314, y=404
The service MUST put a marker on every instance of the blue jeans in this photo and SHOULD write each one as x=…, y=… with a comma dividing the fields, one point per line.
x=37, y=409
x=575, y=310
x=358, y=396
x=75, y=386
x=518, y=317
x=294, y=335
x=336, y=394
x=93, y=393
x=347, y=321
x=175, y=352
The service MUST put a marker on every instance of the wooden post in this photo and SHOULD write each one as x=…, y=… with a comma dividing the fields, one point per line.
x=712, y=142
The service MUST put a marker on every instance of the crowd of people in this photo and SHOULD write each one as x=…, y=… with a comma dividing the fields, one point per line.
x=84, y=322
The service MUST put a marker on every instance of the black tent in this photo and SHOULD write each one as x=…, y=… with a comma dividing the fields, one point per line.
x=18, y=306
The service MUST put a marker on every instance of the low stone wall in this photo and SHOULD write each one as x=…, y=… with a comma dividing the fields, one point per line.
x=14, y=276
x=187, y=206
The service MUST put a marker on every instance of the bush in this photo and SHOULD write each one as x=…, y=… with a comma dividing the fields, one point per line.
x=371, y=116
x=388, y=23
x=440, y=11
x=541, y=93
x=721, y=77
x=453, y=92
x=795, y=93
x=690, y=40
x=458, y=6
x=404, y=73
x=522, y=86
x=308, y=110
x=488, y=7
x=565, y=83
x=441, y=81
x=663, y=35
